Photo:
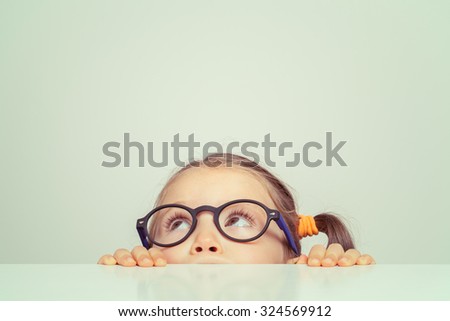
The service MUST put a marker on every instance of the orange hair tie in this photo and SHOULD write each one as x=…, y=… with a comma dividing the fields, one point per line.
x=307, y=226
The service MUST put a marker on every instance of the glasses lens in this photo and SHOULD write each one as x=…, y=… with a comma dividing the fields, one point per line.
x=243, y=220
x=169, y=225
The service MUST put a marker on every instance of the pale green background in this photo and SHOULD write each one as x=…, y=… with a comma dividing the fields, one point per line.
x=74, y=75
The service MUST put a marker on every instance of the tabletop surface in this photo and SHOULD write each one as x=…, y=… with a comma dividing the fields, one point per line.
x=224, y=282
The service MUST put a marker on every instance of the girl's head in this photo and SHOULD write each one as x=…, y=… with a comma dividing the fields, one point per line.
x=221, y=178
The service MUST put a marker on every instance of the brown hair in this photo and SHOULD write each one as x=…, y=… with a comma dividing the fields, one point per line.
x=327, y=223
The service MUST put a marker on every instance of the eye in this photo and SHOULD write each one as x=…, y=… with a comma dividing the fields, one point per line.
x=239, y=219
x=177, y=222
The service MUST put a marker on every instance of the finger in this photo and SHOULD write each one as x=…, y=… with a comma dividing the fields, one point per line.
x=157, y=256
x=316, y=255
x=365, y=260
x=302, y=259
x=349, y=258
x=124, y=258
x=107, y=259
x=141, y=256
x=333, y=254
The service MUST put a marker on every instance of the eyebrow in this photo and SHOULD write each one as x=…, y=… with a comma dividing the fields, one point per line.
x=182, y=202
x=179, y=202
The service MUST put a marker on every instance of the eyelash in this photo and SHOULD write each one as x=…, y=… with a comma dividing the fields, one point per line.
x=249, y=217
x=235, y=213
x=171, y=219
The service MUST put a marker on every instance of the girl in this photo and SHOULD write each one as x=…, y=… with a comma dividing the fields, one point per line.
x=229, y=209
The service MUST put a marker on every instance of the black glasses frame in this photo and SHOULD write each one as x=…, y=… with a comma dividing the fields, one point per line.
x=272, y=215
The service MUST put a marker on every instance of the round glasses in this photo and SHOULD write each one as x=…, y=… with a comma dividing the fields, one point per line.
x=242, y=220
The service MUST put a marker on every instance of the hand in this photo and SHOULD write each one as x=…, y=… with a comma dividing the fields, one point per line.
x=334, y=255
x=139, y=256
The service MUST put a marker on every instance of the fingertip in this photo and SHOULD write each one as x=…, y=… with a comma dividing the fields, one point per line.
x=369, y=260
x=145, y=262
x=336, y=245
x=362, y=260
x=160, y=262
x=127, y=261
x=110, y=261
x=138, y=247
x=314, y=262
x=328, y=262
x=157, y=256
x=318, y=247
x=120, y=251
x=303, y=259
x=130, y=261
x=344, y=262
x=107, y=260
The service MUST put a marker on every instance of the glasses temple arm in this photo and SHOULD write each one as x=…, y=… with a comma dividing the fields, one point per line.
x=142, y=235
x=283, y=226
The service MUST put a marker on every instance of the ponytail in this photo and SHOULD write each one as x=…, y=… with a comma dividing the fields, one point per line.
x=329, y=224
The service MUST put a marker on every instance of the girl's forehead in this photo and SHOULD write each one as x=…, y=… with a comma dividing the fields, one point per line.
x=215, y=186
